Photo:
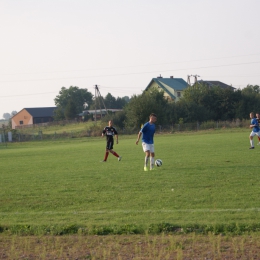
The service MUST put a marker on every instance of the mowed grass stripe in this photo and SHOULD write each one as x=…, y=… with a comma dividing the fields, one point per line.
x=132, y=211
x=206, y=178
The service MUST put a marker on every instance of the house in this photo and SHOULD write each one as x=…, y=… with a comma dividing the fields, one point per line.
x=31, y=116
x=172, y=87
x=98, y=113
x=215, y=83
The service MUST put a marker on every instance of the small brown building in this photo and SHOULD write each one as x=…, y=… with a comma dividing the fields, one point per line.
x=31, y=116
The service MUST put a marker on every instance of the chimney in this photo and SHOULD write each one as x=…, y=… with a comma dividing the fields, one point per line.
x=171, y=77
x=159, y=77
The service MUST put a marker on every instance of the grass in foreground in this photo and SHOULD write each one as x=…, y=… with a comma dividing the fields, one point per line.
x=146, y=247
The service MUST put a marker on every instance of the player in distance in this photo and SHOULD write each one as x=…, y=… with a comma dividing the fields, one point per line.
x=255, y=129
x=109, y=131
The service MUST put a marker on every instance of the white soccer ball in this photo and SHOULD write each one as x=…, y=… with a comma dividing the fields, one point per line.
x=158, y=162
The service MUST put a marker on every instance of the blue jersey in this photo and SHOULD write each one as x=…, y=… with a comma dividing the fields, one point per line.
x=148, y=131
x=254, y=121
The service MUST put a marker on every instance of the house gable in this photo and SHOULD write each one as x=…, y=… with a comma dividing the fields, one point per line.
x=172, y=87
x=30, y=116
x=22, y=118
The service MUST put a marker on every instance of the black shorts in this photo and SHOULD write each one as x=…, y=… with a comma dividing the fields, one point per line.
x=110, y=144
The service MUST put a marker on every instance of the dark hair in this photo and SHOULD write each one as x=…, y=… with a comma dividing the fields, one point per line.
x=153, y=114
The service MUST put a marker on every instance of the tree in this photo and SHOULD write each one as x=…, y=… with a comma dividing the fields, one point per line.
x=110, y=101
x=251, y=89
x=70, y=111
x=59, y=114
x=13, y=113
x=121, y=102
x=72, y=98
x=6, y=116
x=140, y=107
x=213, y=103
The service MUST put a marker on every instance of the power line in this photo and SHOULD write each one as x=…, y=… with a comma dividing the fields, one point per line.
x=135, y=73
x=24, y=95
x=135, y=66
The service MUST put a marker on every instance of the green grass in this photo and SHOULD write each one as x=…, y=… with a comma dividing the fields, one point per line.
x=209, y=181
x=60, y=128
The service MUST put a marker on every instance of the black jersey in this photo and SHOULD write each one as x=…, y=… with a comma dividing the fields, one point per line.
x=109, y=132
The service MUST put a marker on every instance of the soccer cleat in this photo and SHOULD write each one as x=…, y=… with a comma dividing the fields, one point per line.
x=103, y=161
x=258, y=143
x=153, y=169
x=145, y=169
x=252, y=147
x=119, y=158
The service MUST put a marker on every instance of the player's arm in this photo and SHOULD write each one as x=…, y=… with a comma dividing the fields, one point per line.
x=116, y=138
x=103, y=132
x=138, y=137
x=253, y=124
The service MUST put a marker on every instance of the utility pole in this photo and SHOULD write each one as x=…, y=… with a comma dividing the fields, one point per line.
x=195, y=78
x=98, y=96
x=188, y=80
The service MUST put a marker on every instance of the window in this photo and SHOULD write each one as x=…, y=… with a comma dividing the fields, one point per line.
x=21, y=122
x=178, y=94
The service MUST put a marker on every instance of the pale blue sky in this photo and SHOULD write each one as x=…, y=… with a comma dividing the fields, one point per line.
x=120, y=45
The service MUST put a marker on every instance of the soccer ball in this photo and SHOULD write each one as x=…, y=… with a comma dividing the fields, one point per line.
x=158, y=162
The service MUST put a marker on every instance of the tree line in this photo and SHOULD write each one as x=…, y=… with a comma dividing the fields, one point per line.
x=198, y=104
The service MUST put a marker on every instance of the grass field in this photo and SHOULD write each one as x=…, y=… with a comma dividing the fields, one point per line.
x=208, y=185
x=208, y=180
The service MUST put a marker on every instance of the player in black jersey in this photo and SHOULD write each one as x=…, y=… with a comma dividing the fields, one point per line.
x=258, y=119
x=109, y=131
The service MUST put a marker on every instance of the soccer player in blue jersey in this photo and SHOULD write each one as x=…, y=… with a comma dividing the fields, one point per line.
x=258, y=119
x=147, y=133
x=109, y=131
x=255, y=129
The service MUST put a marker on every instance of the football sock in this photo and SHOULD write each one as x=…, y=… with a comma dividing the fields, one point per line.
x=106, y=155
x=252, y=143
x=146, y=161
x=151, y=162
x=114, y=153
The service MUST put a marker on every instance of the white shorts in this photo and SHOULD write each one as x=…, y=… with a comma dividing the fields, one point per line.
x=255, y=133
x=148, y=147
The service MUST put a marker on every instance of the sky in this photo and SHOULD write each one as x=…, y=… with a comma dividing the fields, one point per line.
x=120, y=45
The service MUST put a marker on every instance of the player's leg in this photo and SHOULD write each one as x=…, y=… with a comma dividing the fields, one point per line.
x=258, y=136
x=114, y=153
x=147, y=155
x=252, y=134
x=152, y=156
x=110, y=148
x=107, y=151
x=106, y=155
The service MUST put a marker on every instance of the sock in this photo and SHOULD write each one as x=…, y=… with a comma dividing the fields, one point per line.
x=106, y=155
x=258, y=139
x=252, y=143
x=146, y=160
x=151, y=162
x=114, y=153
